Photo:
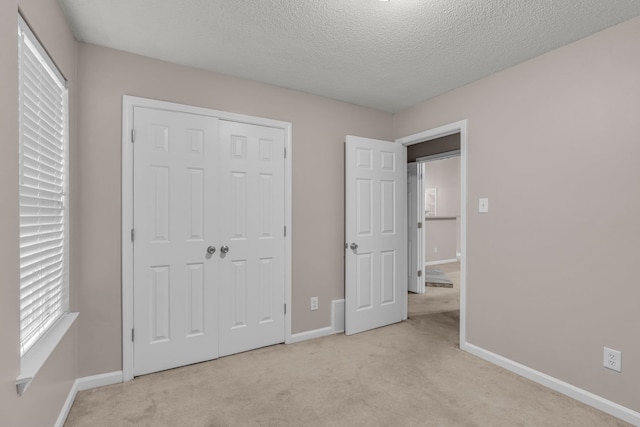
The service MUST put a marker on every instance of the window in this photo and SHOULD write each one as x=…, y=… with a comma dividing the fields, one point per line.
x=43, y=120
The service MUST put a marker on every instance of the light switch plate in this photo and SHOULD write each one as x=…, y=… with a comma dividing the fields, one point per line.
x=483, y=205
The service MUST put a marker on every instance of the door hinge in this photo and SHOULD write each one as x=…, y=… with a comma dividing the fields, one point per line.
x=419, y=225
x=133, y=135
x=285, y=309
x=133, y=234
x=285, y=152
x=419, y=273
x=133, y=335
x=285, y=231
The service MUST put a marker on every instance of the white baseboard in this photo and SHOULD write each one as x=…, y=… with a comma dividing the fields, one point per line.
x=94, y=381
x=86, y=383
x=309, y=335
x=64, y=412
x=553, y=383
x=337, y=325
x=444, y=261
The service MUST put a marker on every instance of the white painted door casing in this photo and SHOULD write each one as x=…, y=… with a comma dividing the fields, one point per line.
x=376, y=221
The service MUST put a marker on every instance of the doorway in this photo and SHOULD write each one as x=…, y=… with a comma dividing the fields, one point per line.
x=445, y=145
x=437, y=248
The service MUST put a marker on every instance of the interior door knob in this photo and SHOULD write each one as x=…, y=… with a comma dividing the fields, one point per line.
x=354, y=246
x=224, y=249
x=211, y=250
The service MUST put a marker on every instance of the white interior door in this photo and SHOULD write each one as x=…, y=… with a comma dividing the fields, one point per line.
x=376, y=227
x=415, y=262
x=252, y=271
x=175, y=298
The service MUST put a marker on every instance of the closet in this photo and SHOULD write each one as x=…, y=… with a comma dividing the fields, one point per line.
x=208, y=237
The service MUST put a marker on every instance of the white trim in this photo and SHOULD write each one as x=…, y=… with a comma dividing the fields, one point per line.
x=567, y=389
x=439, y=156
x=449, y=129
x=127, y=246
x=288, y=209
x=309, y=335
x=64, y=412
x=100, y=380
x=444, y=261
x=37, y=356
x=86, y=383
x=128, y=104
x=320, y=332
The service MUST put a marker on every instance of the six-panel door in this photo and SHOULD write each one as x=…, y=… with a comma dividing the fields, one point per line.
x=252, y=226
x=175, y=212
x=375, y=231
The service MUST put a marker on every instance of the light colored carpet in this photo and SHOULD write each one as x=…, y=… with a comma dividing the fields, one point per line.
x=438, y=299
x=408, y=374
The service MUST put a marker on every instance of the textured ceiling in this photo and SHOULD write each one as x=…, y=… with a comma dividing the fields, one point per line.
x=384, y=55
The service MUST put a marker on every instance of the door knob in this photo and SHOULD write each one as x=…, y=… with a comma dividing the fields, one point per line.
x=354, y=246
x=211, y=250
x=224, y=249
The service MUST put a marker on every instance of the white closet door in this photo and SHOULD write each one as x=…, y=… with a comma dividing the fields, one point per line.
x=376, y=233
x=175, y=214
x=251, y=205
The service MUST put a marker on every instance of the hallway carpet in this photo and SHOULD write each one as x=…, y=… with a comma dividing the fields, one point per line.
x=408, y=374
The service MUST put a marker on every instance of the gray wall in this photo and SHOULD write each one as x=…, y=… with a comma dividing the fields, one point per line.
x=442, y=237
x=551, y=277
x=41, y=403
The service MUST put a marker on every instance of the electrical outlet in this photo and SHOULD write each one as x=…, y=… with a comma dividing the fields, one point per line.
x=483, y=205
x=612, y=359
x=435, y=250
x=314, y=303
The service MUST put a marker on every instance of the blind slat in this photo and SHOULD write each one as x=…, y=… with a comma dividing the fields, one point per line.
x=35, y=139
x=43, y=106
x=33, y=293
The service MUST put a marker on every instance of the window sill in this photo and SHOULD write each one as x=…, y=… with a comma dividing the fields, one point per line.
x=36, y=357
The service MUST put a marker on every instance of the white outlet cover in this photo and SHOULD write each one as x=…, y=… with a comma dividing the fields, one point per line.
x=612, y=359
x=483, y=205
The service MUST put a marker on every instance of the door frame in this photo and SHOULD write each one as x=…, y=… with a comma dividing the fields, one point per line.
x=128, y=104
x=445, y=130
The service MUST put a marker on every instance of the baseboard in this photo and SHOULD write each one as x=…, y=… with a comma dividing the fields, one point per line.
x=553, y=383
x=94, y=381
x=64, y=412
x=86, y=383
x=309, y=335
x=444, y=261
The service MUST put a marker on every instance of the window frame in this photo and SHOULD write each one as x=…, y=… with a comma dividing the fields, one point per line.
x=34, y=353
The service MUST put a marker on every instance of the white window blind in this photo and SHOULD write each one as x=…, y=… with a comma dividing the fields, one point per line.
x=43, y=115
